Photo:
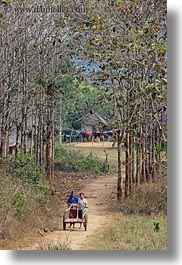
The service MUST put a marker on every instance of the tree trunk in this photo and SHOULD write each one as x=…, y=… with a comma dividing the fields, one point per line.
x=128, y=166
x=4, y=145
x=143, y=161
x=60, y=119
x=17, y=137
x=138, y=151
x=50, y=141
x=119, y=186
x=153, y=155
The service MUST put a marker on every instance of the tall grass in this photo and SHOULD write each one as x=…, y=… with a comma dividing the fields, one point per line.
x=58, y=244
x=23, y=199
x=149, y=198
x=134, y=233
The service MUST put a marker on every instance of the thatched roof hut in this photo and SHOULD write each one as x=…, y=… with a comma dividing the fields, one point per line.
x=92, y=122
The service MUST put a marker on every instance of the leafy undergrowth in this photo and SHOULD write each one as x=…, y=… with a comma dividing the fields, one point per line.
x=134, y=233
x=73, y=160
x=97, y=149
x=26, y=202
x=24, y=199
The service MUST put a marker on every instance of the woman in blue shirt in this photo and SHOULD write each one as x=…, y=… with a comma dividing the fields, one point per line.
x=72, y=200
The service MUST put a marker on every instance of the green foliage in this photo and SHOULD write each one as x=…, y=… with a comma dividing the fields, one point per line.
x=42, y=82
x=90, y=164
x=156, y=225
x=71, y=160
x=24, y=168
x=55, y=248
x=64, y=247
x=23, y=204
x=19, y=203
x=78, y=98
x=161, y=147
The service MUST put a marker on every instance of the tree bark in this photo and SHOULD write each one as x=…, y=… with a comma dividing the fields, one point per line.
x=50, y=141
x=119, y=185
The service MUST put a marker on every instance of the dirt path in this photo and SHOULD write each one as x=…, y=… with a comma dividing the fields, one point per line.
x=98, y=192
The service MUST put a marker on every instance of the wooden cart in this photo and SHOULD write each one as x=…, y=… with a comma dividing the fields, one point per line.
x=71, y=217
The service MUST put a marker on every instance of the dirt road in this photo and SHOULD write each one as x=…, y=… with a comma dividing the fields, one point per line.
x=99, y=192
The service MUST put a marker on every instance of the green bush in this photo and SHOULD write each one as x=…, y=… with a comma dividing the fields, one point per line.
x=24, y=199
x=71, y=160
x=19, y=204
x=24, y=168
x=88, y=163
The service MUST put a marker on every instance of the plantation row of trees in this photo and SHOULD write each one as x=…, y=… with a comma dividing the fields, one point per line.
x=27, y=102
x=38, y=89
x=126, y=42
x=116, y=46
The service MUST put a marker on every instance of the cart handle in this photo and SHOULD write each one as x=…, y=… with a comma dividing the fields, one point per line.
x=72, y=205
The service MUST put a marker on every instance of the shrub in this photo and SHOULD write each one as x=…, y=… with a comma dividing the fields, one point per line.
x=24, y=168
x=71, y=160
x=19, y=204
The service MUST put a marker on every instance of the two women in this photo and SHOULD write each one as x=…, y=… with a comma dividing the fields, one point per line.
x=80, y=202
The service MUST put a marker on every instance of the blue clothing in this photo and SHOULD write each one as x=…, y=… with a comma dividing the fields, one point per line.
x=72, y=200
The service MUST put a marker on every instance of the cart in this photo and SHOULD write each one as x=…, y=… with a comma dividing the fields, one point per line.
x=71, y=216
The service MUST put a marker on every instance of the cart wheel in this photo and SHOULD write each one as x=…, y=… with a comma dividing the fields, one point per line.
x=64, y=226
x=86, y=222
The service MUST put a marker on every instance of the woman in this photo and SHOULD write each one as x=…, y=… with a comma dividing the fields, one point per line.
x=72, y=200
x=82, y=204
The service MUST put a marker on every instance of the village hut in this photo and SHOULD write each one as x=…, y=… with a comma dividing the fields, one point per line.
x=92, y=123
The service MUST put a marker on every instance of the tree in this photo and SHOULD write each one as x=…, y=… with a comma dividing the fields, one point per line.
x=124, y=44
x=118, y=47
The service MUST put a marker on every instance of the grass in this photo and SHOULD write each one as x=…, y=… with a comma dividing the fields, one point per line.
x=134, y=233
x=142, y=221
x=54, y=245
x=97, y=150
